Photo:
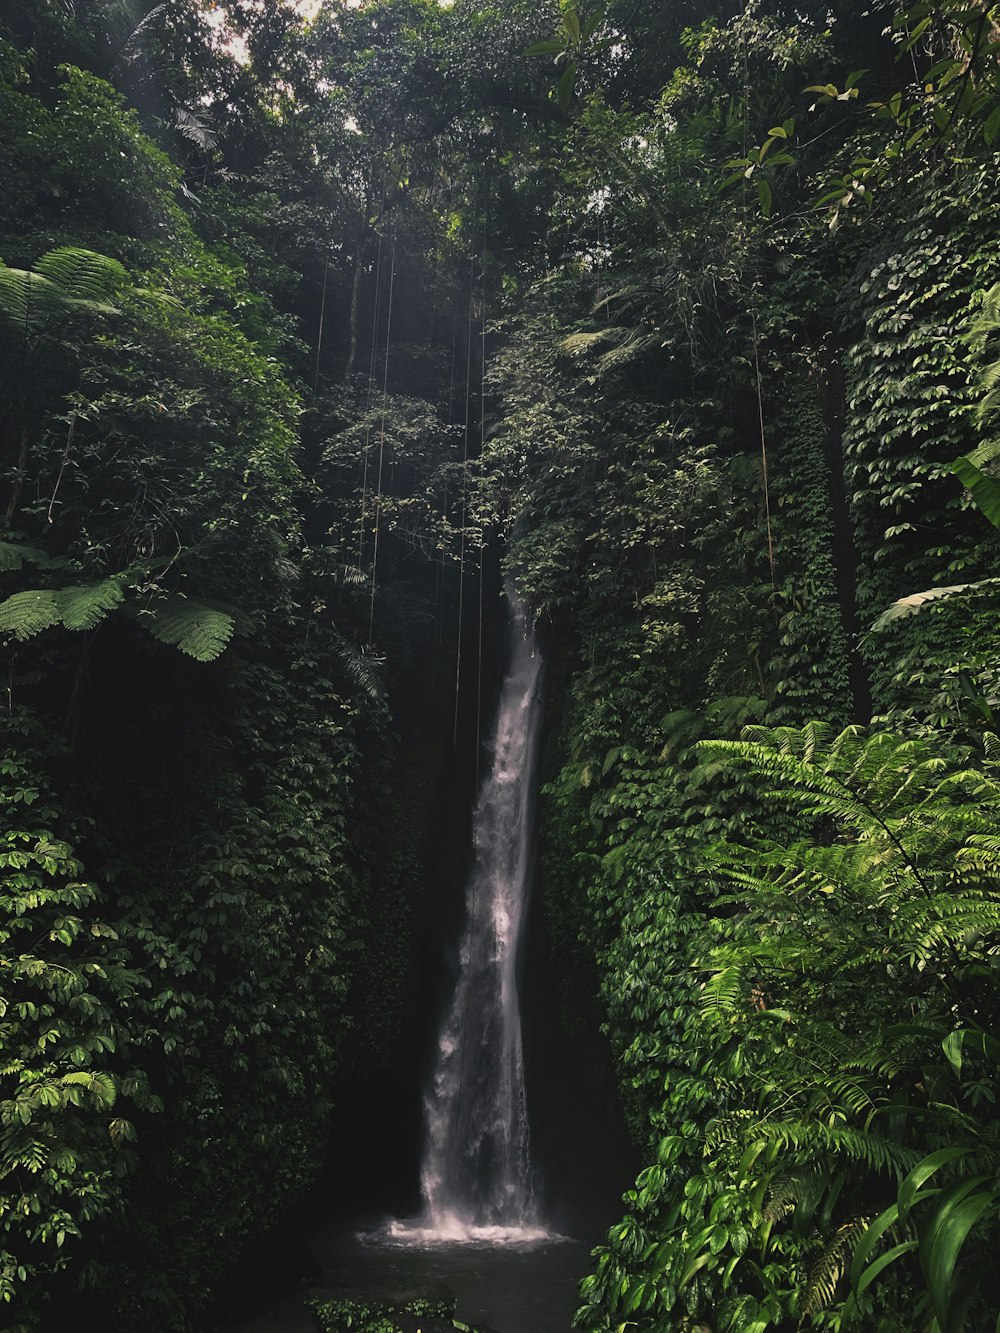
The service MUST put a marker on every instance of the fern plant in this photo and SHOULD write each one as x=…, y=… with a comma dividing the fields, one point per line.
x=64, y=281
x=196, y=626
x=856, y=974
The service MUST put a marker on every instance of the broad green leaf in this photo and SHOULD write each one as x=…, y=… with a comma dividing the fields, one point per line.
x=955, y=1214
x=591, y=25
x=985, y=490
x=551, y=46
x=921, y=1173
x=883, y=1262
x=917, y=601
x=567, y=83
x=571, y=23
x=866, y=1245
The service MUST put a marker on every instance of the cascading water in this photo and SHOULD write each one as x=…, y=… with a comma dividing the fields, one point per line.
x=476, y=1173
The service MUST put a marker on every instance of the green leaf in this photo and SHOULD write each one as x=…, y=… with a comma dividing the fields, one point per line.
x=985, y=490
x=952, y=1047
x=551, y=46
x=592, y=24
x=955, y=1214
x=765, y=196
x=571, y=23
x=921, y=1173
x=866, y=1245
x=883, y=1262
x=567, y=83
x=917, y=601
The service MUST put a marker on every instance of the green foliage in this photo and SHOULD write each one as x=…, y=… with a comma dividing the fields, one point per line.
x=68, y=1082
x=797, y=1189
x=373, y=1315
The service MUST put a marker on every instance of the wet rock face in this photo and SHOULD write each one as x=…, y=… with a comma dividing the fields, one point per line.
x=429, y=1310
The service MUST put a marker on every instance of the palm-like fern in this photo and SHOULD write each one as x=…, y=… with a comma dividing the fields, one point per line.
x=64, y=281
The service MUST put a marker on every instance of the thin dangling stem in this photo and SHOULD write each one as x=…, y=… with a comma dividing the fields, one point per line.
x=381, y=435
x=753, y=328
x=482, y=529
x=763, y=444
x=322, y=316
x=439, y=570
x=372, y=362
x=465, y=487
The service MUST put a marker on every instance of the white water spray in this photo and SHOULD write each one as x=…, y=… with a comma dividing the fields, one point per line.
x=476, y=1173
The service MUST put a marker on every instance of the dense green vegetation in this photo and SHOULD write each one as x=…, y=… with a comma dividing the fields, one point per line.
x=685, y=314
x=372, y=1315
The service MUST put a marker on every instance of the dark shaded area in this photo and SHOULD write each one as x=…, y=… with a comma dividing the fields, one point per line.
x=582, y=1153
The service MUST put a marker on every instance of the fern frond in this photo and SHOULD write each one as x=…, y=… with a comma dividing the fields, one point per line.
x=85, y=607
x=199, y=628
x=28, y=613
x=351, y=576
x=987, y=320
x=869, y=1150
x=129, y=40
x=723, y=991
x=13, y=555
x=919, y=601
x=84, y=277
x=63, y=280
x=627, y=352
x=831, y=1265
x=989, y=451
x=792, y=1187
x=362, y=667
x=27, y=300
x=78, y=608
x=196, y=127
x=577, y=344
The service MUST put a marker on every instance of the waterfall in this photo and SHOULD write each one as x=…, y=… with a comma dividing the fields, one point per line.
x=476, y=1172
